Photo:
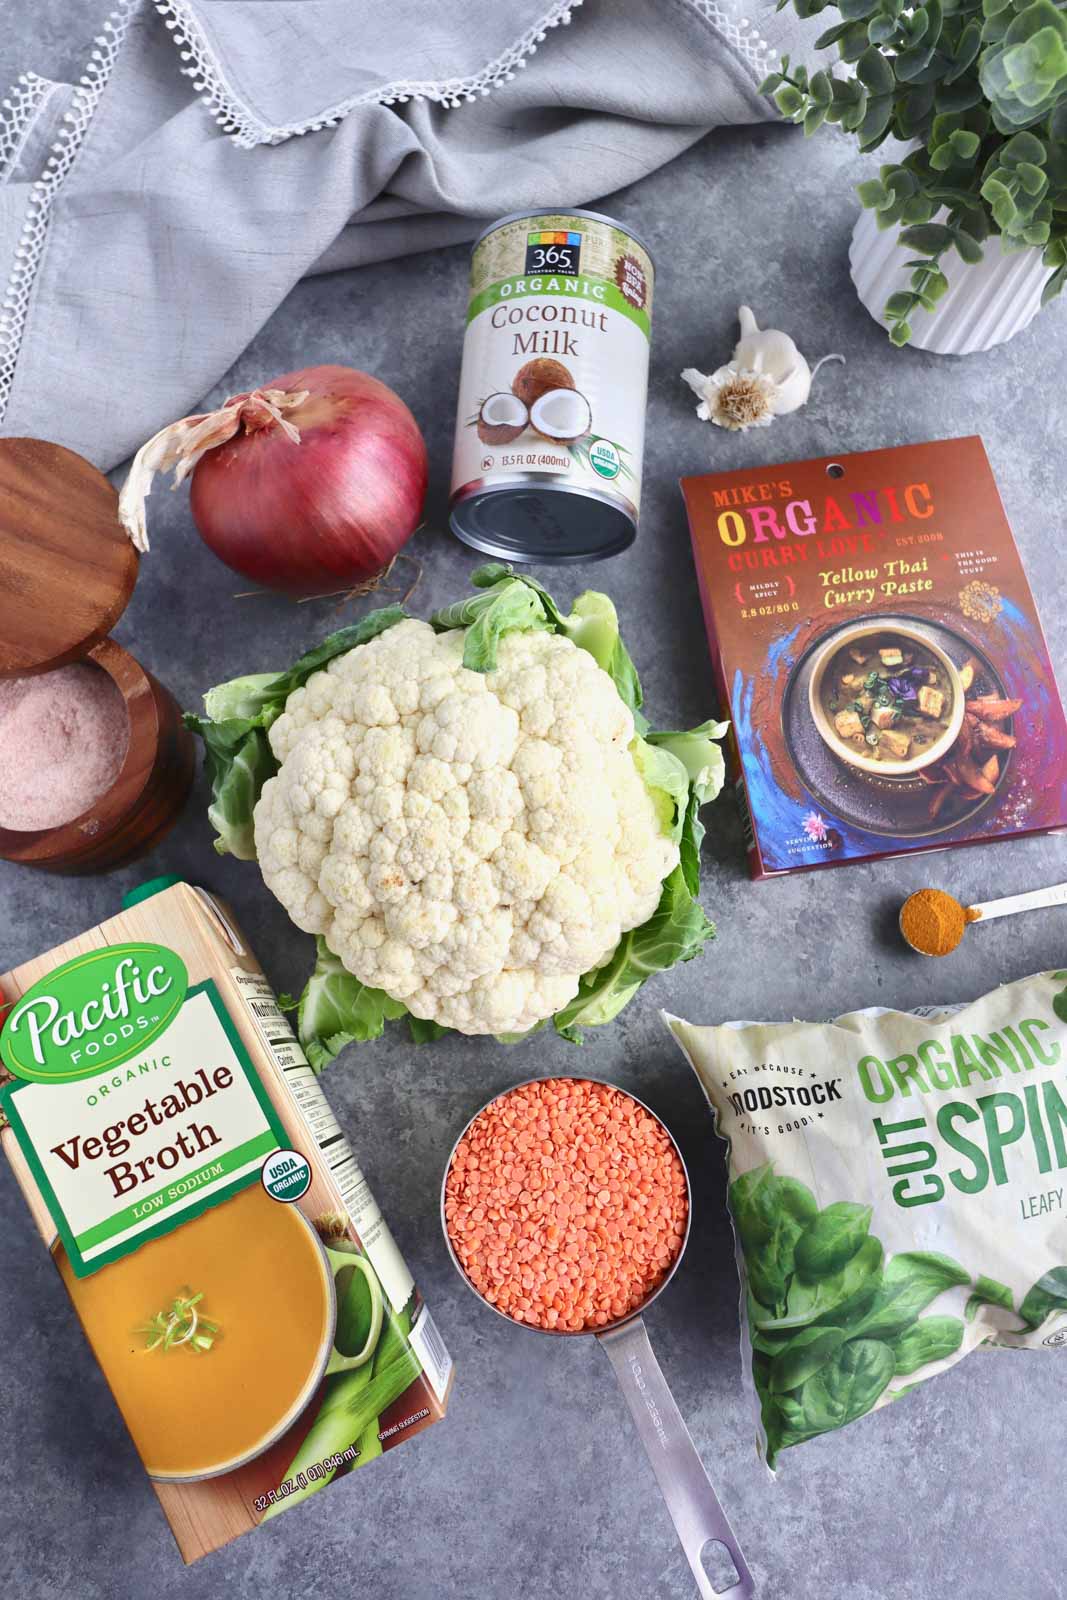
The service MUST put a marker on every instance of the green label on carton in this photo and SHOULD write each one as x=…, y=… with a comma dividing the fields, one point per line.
x=133, y=1138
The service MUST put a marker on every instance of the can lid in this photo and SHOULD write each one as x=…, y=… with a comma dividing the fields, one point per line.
x=525, y=519
x=67, y=569
x=151, y=886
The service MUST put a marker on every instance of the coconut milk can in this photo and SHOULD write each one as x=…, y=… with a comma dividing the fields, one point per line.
x=553, y=387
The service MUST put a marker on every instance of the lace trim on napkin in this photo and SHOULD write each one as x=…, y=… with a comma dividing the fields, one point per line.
x=19, y=111
x=247, y=131
x=64, y=153
x=741, y=34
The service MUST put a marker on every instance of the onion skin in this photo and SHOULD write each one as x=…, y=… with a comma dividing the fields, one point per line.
x=328, y=513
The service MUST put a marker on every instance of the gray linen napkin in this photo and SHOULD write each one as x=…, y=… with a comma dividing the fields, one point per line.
x=155, y=214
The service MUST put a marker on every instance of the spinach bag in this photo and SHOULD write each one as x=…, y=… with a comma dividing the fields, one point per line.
x=898, y=1193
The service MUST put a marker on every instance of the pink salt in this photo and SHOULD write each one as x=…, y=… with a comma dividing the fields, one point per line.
x=63, y=737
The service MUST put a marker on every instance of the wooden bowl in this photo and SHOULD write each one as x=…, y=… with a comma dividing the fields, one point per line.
x=150, y=790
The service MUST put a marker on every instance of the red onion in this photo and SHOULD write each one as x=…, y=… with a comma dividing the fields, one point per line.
x=309, y=485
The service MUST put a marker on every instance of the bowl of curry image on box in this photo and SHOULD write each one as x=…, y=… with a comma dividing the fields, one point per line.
x=875, y=719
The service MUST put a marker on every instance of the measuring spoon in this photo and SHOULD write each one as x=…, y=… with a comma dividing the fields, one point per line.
x=986, y=910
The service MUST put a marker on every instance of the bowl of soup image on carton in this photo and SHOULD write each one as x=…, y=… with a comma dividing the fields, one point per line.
x=213, y=1338
x=886, y=698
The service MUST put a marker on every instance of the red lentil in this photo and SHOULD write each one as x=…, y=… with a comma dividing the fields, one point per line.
x=566, y=1204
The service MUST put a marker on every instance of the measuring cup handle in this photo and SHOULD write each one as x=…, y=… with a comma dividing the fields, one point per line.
x=691, y=1501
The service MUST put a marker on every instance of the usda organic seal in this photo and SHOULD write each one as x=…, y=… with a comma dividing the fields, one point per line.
x=604, y=459
x=286, y=1175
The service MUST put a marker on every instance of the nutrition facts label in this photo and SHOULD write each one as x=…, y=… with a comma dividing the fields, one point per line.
x=430, y=1349
x=337, y=1153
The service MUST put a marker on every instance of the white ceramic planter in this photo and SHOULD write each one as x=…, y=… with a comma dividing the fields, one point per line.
x=985, y=304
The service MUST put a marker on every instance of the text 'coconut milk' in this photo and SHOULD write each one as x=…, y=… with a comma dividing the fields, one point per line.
x=551, y=420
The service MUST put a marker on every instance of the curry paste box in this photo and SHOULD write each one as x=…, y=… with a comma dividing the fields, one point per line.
x=877, y=644
x=239, y=1287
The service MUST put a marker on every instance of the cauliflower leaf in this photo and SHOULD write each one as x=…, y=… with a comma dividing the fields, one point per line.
x=335, y=1010
x=239, y=762
x=676, y=931
x=509, y=600
x=593, y=625
x=701, y=755
x=506, y=606
x=667, y=781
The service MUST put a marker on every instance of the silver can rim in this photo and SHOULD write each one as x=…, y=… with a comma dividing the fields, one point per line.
x=568, y=211
x=533, y=480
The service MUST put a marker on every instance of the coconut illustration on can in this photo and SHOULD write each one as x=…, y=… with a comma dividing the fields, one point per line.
x=553, y=389
x=540, y=376
x=562, y=414
x=557, y=408
x=502, y=417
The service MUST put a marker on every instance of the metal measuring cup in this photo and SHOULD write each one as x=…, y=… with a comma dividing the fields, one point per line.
x=686, y=1488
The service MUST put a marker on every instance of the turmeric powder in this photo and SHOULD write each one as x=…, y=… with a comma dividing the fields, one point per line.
x=933, y=922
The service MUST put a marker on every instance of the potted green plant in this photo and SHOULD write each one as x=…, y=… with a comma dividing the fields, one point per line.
x=978, y=90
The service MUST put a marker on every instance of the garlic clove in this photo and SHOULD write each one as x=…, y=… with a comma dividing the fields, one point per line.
x=770, y=351
x=793, y=387
x=777, y=350
x=747, y=318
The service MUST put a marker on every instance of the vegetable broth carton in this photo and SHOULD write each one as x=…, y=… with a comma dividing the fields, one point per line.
x=241, y=1291
x=877, y=643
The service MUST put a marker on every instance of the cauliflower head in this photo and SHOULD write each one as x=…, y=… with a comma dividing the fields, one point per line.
x=471, y=843
x=473, y=816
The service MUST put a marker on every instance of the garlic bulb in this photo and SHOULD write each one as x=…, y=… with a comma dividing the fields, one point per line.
x=766, y=377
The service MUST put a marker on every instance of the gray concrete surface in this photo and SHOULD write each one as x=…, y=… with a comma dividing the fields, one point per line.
x=534, y=1487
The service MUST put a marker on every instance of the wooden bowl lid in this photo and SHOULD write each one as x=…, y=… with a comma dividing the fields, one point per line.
x=67, y=569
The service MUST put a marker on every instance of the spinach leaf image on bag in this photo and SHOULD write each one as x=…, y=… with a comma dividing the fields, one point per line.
x=929, y=1339
x=988, y=1292
x=831, y=1239
x=898, y=1192
x=1048, y=1295
x=848, y=1322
